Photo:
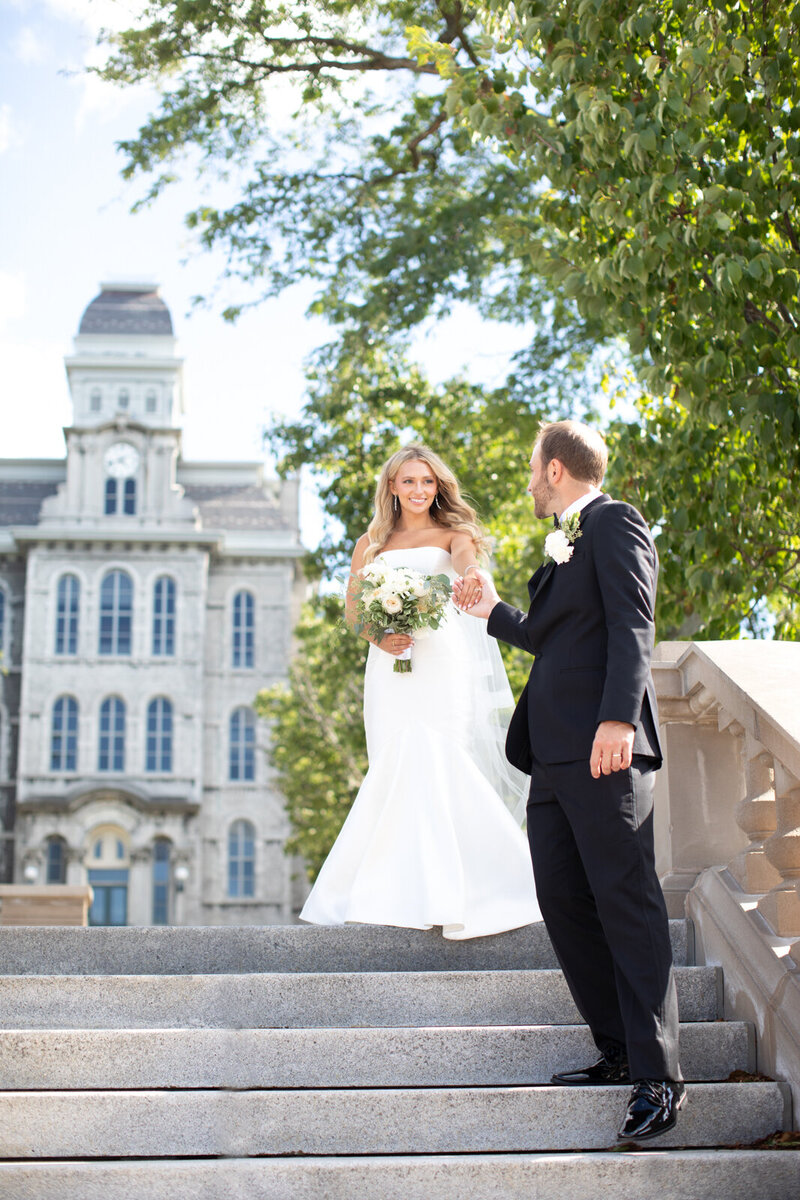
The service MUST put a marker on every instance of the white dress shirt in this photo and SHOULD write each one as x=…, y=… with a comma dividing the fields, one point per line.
x=580, y=503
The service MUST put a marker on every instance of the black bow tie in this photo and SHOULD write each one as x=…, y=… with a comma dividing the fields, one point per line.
x=556, y=522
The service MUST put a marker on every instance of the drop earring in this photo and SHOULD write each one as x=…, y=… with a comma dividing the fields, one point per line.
x=436, y=500
x=395, y=505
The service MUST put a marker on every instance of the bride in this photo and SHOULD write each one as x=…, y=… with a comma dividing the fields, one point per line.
x=430, y=838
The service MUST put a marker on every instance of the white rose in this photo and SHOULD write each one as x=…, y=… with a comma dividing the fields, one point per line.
x=417, y=588
x=557, y=545
x=392, y=604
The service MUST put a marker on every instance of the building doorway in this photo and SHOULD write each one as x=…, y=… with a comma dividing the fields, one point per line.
x=107, y=865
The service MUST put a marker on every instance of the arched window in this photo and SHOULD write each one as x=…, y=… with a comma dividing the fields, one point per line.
x=68, y=599
x=111, y=743
x=95, y=399
x=244, y=617
x=241, y=859
x=3, y=619
x=159, y=735
x=129, y=498
x=164, y=616
x=124, y=398
x=64, y=735
x=56, y=860
x=161, y=881
x=242, y=761
x=116, y=613
x=150, y=400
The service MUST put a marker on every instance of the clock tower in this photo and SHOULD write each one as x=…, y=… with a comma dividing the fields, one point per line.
x=125, y=381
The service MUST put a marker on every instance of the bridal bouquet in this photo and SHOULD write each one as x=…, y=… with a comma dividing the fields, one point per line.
x=398, y=600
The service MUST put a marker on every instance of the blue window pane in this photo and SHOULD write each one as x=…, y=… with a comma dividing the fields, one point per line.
x=67, y=607
x=129, y=503
x=241, y=859
x=244, y=630
x=111, y=497
x=161, y=866
x=242, y=740
x=158, y=755
x=64, y=735
x=164, y=616
x=116, y=613
x=111, y=744
x=56, y=860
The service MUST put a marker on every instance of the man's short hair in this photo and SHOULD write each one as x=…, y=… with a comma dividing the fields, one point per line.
x=577, y=447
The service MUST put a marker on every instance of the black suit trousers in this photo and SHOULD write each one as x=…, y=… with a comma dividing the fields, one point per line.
x=593, y=858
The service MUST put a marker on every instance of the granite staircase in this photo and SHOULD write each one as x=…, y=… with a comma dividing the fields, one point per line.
x=306, y=1063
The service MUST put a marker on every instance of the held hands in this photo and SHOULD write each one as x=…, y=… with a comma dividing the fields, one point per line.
x=612, y=749
x=474, y=593
x=395, y=643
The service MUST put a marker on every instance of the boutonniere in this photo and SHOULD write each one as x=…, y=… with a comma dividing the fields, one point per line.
x=558, y=545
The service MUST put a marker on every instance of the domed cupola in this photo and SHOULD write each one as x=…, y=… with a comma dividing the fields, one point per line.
x=127, y=308
x=125, y=363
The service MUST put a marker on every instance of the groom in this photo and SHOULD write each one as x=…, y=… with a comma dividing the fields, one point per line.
x=586, y=730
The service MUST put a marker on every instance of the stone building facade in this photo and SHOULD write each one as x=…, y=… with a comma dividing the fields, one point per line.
x=144, y=600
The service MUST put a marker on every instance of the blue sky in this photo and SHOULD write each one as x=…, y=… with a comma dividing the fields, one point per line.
x=66, y=226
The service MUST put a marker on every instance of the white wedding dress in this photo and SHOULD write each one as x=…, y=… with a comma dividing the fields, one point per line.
x=429, y=839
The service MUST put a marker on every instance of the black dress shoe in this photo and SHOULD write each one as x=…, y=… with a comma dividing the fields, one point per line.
x=605, y=1070
x=652, y=1109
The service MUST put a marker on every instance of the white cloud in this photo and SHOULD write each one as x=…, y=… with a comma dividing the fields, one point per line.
x=28, y=46
x=13, y=300
x=95, y=15
x=35, y=399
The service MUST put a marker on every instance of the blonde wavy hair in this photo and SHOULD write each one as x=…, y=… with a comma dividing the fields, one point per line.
x=452, y=511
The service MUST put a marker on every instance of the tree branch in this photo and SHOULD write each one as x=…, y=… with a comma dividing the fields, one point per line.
x=415, y=142
x=374, y=60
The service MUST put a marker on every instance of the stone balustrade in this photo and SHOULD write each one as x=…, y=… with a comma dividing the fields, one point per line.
x=727, y=825
x=44, y=904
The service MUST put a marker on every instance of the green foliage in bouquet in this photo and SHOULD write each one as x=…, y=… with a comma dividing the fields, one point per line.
x=398, y=600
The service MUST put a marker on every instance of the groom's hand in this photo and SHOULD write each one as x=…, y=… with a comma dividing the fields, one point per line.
x=487, y=598
x=612, y=749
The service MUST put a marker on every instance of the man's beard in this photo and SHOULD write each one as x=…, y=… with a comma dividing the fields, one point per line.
x=543, y=503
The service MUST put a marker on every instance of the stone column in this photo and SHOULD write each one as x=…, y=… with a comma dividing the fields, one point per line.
x=76, y=867
x=140, y=886
x=781, y=906
x=755, y=816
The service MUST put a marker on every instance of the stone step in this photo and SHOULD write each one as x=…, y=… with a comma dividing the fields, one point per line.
x=675, y=1175
x=278, y=948
x=92, y=1124
x=56, y=1060
x=315, y=1001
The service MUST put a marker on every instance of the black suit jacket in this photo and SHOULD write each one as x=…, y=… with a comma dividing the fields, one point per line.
x=590, y=627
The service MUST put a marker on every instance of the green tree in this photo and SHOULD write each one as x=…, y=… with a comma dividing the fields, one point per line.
x=318, y=747
x=622, y=176
x=661, y=144
x=607, y=171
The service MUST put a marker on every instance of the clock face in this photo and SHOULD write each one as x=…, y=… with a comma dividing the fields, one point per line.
x=121, y=460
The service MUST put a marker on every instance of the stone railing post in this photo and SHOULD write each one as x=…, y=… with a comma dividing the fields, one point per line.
x=781, y=905
x=756, y=817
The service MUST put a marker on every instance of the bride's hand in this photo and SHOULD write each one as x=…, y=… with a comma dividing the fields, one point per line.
x=395, y=643
x=467, y=590
x=475, y=593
